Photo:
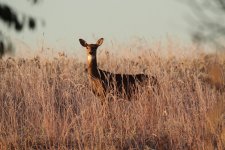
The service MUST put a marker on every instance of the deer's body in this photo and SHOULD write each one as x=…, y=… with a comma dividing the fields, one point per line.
x=103, y=82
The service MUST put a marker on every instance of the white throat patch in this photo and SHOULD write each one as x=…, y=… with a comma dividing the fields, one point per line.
x=90, y=58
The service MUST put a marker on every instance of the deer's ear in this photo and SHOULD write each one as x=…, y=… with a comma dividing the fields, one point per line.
x=100, y=41
x=83, y=42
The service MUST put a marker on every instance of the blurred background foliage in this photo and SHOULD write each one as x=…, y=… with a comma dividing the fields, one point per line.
x=17, y=21
x=207, y=22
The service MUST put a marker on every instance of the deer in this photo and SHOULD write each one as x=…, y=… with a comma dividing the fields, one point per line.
x=102, y=82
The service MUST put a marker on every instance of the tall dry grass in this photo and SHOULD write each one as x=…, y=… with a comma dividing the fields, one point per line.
x=47, y=104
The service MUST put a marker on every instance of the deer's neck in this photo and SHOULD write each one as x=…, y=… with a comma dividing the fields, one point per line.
x=92, y=66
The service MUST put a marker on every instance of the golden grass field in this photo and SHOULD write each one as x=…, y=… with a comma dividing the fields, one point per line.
x=46, y=103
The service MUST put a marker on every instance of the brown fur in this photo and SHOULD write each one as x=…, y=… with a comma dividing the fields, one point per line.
x=103, y=82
